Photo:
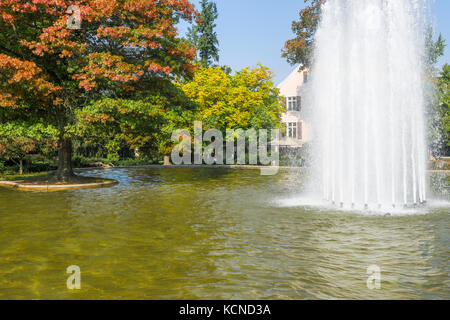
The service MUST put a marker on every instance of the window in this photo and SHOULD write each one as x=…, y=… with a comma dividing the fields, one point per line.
x=292, y=130
x=293, y=103
x=305, y=77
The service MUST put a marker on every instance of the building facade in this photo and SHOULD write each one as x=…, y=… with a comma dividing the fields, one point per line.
x=297, y=131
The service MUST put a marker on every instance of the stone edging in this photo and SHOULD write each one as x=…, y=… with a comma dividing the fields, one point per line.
x=56, y=187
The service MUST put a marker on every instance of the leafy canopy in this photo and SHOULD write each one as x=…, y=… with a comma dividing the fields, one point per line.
x=248, y=99
x=48, y=70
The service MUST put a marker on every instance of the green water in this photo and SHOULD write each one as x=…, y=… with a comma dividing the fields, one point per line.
x=212, y=234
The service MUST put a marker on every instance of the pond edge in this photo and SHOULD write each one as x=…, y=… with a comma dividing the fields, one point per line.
x=58, y=187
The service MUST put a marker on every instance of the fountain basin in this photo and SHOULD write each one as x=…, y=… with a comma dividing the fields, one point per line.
x=199, y=233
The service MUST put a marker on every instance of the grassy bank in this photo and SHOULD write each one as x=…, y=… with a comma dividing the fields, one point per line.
x=12, y=176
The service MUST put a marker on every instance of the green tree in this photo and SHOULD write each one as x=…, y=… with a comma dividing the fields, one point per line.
x=434, y=50
x=145, y=124
x=125, y=50
x=300, y=49
x=19, y=139
x=444, y=91
x=203, y=36
x=434, y=113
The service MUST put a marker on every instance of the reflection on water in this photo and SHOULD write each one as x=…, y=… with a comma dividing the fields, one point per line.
x=212, y=234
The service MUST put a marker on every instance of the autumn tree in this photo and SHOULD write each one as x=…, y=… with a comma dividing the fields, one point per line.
x=300, y=49
x=125, y=51
x=203, y=36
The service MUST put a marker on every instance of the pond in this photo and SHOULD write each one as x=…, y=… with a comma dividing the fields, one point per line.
x=179, y=233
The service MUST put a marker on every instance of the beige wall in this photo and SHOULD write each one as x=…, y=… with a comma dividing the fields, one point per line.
x=292, y=87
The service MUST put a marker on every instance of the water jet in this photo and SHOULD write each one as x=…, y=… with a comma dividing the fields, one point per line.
x=367, y=98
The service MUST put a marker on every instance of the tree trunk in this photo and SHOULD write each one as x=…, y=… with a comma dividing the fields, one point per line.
x=64, y=173
x=21, y=166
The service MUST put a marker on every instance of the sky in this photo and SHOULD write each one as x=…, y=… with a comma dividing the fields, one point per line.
x=252, y=31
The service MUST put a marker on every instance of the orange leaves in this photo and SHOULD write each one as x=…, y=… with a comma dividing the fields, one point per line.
x=37, y=47
x=102, y=118
x=55, y=39
x=21, y=6
x=139, y=37
x=23, y=72
x=155, y=67
x=7, y=100
x=147, y=7
x=105, y=66
x=113, y=32
x=95, y=10
x=119, y=44
x=88, y=118
x=160, y=11
x=23, y=69
x=64, y=53
x=7, y=17
x=57, y=101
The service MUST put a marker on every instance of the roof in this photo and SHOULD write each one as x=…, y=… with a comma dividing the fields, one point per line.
x=294, y=74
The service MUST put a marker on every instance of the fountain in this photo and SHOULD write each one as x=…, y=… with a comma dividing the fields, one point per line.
x=367, y=98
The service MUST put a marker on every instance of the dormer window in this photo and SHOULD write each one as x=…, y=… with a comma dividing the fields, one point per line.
x=294, y=103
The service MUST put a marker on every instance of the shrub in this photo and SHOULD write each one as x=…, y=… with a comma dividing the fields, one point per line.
x=40, y=167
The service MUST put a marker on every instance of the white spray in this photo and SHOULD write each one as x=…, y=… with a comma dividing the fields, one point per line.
x=367, y=98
